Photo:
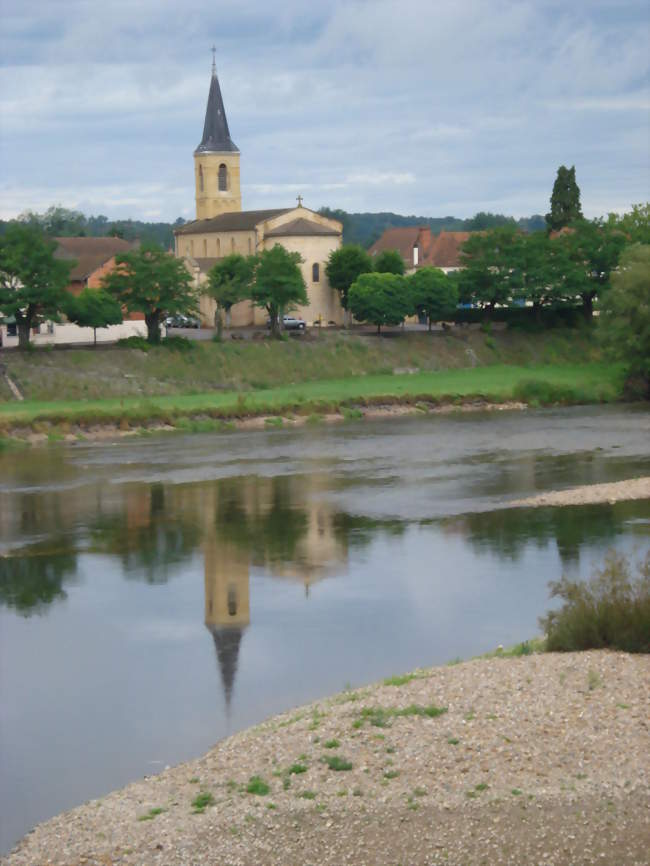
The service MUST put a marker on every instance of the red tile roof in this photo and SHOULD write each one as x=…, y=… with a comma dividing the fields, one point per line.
x=404, y=240
x=444, y=251
x=90, y=253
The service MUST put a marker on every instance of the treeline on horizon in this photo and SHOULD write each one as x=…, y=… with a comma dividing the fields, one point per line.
x=358, y=228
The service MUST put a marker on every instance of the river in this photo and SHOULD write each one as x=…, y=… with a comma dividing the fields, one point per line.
x=159, y=593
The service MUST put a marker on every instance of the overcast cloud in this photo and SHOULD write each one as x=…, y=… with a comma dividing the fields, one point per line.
x=432, y=107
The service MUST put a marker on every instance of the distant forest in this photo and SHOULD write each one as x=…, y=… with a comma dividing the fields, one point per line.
x=358, y=228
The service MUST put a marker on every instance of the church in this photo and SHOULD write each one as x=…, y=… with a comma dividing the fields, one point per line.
x=221, y=227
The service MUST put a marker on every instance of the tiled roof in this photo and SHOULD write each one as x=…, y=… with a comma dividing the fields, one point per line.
x=236, y=221
x=205, y=263
x=90, y=253
x=401, y=239
x=301, y=226
x=444, y=251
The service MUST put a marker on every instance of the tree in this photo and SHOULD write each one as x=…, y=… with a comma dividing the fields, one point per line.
x=343, y=268
x=381, y=299
x=541, y=265
x=565, y=199
x=278, y=283
x=94, y=308
x=151, y=281
x=487, y=278
x=624, y=321
x=32, y=281
x=434, y=293
x=635, y=225
x=389, y=262
x=229, y=282
x=593, y=249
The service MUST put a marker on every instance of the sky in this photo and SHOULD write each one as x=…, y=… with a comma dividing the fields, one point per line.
x=432, y=107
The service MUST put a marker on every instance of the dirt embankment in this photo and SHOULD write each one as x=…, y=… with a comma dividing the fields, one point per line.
x=538, y=759
x=590, y=494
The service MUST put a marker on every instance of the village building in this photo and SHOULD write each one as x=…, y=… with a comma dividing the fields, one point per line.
x=221, y=227
x=93, y=259
x=420, y=248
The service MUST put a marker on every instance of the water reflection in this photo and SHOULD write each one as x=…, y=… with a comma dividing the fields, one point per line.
x=32, y=578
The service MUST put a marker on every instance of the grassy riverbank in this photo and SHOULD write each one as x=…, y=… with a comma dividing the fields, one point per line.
x=249, y=365
x=568, y=383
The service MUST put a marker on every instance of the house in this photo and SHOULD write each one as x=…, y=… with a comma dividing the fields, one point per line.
x=221, y=227
x=420, y=248
x=93, y=257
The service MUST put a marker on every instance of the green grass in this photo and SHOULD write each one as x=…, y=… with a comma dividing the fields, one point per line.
x=151, y=814
x=257, y=785
x=400, y=680
x=335, y=762
x=381, y=717
x=202, y=801
x=592, y=382
x=307, y=795
x=331, y=744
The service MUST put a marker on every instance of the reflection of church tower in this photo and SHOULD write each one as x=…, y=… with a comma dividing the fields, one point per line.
x=227, y=606
x=216, y=161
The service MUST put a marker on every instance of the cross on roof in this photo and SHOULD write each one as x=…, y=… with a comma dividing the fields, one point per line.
x=299, y=200
x=214, y=59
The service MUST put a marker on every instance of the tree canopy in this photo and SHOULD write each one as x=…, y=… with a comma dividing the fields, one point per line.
x=278, y=284
x=32, y=281
x=389, y=262
x=433, y=293
x=488, y=260
x=624, y=321
x=94, y=308
x=565, y=199
x=229, y=282
x=381, y=299
x=151, y=281
x=343, y=268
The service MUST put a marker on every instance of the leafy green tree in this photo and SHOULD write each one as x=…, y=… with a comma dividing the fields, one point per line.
x=278, y=284
x=94, y=308
x=434, y=293
x=593, y=248
x=229, y=283
x=488, y=259
x=624, y=321
x=541, y=266
x=565, y=199
x=485, y=220
x=151, y=281
x=32, y=281
x=381, y=299
x=57, y=221
x=635, y=225
x=389, y=262
x=343, y=268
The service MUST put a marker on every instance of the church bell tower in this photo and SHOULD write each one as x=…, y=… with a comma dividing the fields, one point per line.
x=216, y=160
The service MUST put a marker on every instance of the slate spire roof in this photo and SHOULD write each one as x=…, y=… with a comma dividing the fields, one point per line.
x=216, y=135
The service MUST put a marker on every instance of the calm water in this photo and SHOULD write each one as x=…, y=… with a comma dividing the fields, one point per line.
x=156, y=595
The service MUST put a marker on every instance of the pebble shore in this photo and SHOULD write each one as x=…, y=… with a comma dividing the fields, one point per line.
x=538, y=759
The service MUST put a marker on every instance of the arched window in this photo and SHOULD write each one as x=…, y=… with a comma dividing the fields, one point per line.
x=315, y=272
x=250, y=246
x=232, y=244
x=218, y=247
x=205, y=248
x=201, y=178
x=192, y=248
x=232, y=601
x=223, y=177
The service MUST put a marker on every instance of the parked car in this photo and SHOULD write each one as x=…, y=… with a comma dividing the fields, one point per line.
x=181, y=321
x=290, y=323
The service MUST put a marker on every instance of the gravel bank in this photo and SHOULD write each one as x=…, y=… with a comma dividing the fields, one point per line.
x=538, y=759
x=588, y=494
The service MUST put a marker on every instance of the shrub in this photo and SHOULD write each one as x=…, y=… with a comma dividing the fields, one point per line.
x=180, y=344
x=612, y=610
x=134, y=343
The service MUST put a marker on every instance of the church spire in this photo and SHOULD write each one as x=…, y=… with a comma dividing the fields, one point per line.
x=216, y=135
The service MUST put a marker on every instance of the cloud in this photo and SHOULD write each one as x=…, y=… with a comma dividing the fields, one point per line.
x=359, y=104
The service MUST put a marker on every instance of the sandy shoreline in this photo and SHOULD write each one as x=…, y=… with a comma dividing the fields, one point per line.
x=591, y=494
x=542, y=758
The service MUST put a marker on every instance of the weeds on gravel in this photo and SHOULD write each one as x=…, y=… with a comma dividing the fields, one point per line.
x=593, y=680
x=400, y=680
x=335, y=762
x=257, y=785
x=307, y=795
x=391, y=774
x=381, y=717
x=331, y=744
x=201, y=802
x=296, y=769
x=453, y=741
x=151, y=814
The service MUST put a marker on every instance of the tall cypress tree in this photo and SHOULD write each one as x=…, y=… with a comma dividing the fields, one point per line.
x=565, y=199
